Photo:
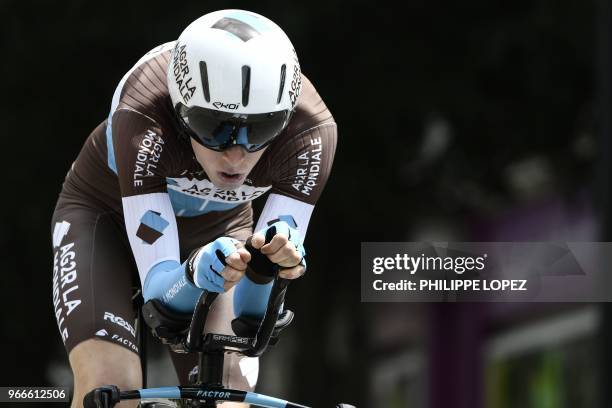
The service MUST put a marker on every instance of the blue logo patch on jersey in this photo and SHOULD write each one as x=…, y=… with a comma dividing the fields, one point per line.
x=287, y=218
x=151, y=227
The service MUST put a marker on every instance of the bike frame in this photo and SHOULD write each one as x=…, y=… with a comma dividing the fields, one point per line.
x=204, y=392
x=211, y=348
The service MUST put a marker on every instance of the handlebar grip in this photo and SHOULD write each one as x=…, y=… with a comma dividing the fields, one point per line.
x=260, y=262
x=102, y=397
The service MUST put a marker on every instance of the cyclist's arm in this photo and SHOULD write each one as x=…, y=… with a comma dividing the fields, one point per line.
x=300, y=179
x=142, y=158
x=301, y=166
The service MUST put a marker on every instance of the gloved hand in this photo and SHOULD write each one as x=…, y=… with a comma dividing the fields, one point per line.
x=219, y=265
x=285, y=249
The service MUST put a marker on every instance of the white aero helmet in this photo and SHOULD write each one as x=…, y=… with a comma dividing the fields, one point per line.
x=234, y=79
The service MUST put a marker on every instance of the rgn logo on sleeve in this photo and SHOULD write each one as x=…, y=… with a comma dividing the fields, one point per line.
x=120, y=321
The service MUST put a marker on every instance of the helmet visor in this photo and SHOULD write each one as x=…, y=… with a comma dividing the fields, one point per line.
x=219, y=130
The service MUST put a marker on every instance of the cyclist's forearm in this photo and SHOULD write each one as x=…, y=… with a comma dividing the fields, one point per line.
x=168, y=282
x=250, y=298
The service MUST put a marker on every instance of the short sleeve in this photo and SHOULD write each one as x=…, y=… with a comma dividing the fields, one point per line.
x=140, y=152
x=302, y=163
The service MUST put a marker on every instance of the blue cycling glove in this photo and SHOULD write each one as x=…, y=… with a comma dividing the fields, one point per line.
x=179, y=286
x=205, y=265
x=250, y=298
x=294, y=236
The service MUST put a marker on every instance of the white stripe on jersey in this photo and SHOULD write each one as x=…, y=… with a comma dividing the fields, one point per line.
x=164, y=248
x=279, y=205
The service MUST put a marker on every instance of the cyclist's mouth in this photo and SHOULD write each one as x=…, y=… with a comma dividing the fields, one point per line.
x=230, y=177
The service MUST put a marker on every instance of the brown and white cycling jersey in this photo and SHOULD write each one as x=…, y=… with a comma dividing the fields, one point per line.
x=140, y=163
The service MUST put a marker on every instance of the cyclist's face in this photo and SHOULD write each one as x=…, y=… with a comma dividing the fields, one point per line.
x=229, y=168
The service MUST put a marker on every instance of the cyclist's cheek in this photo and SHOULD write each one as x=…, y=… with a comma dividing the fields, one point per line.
x=214, y=162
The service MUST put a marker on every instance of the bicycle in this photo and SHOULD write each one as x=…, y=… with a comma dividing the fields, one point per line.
x=184, y=335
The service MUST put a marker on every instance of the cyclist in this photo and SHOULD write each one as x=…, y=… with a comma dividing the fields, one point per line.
x=160, y=195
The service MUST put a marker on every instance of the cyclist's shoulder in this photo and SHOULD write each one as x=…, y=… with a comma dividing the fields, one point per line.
x=144, y=87
x=142, y=109
x=139, y=140
x=310, y=112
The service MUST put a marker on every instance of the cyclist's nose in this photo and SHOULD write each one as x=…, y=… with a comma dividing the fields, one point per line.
x=234, y=155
